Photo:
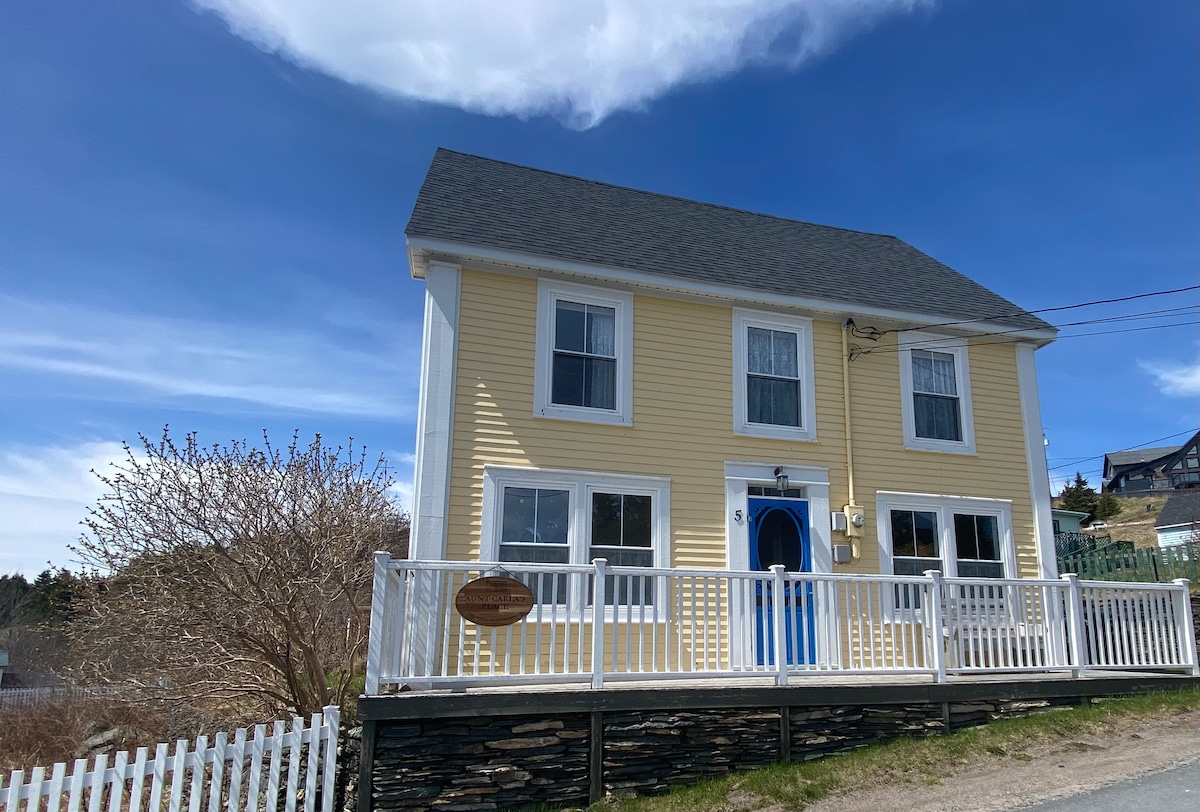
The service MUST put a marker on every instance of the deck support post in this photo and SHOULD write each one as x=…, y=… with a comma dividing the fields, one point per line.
x=1183, y=618
x=366, y=766
x=596, y=758
x=598, y=610
x=779, y=624
x=937, y=645
x=1075, y=624
x=785, y=733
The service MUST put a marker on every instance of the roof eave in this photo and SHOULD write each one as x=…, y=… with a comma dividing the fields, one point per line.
x=421, y=249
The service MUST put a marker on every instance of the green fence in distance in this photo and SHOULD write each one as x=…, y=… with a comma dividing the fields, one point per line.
x=1147, y=565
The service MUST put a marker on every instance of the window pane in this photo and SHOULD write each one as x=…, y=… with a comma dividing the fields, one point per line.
x=606, y=519
x=570, y=326
x=601, y=331
x=620, y=520
x=904, y=539
x=987, y=529
x=583, y=381
x=569, y=372
x=936, y=418
x=783, y=354
x=758, y=351
x=933, y=373
x=637, y=523
x=600, y=383
x=925, y=525
x=915, y=566
x=535, y=515
x=772, y=401
x=981, y=569
x=964, y=537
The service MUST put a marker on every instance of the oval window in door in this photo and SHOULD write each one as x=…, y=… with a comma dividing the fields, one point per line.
x=779, y=541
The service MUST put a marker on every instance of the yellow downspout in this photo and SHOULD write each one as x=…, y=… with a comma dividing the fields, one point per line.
x=852, y=510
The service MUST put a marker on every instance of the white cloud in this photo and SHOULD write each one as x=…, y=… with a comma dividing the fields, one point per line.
x=44, y=495
x=580, y=60
x=279, y=369
x=1174, y=379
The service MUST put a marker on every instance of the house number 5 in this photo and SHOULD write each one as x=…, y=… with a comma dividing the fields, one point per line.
x=737, y=516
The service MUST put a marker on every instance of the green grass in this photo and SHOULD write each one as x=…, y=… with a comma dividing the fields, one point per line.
x=913, y=762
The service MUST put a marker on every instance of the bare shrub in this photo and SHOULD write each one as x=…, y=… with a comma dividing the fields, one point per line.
x=234, y=576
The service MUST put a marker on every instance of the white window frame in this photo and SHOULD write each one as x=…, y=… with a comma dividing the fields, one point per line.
x=580, y=486
x=550, y=292
x=802, y=327
x=945, y=506
x=956, y=347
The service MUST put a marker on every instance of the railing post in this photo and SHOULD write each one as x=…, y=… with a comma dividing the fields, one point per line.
x=1183, y=618
x=1075, y=623
x=779, y=622
x=937, y=641
x=598, y=611
x=376, y=635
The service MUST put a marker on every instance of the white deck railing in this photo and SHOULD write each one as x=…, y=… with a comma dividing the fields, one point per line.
x=682, y=623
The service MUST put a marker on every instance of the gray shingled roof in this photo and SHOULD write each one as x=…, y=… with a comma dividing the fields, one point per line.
x=1181, y=508
x=1140, y=455
x=492, y=204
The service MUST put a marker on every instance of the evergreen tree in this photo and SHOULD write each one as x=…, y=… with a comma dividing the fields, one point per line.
x=1107, y=506
x=1080, y=497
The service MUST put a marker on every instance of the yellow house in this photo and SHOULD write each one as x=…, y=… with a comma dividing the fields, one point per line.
x=611, y=373
x=700, y=437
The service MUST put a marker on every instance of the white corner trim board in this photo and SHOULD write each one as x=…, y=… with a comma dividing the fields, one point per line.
x=1035, y=459
x=435, y=412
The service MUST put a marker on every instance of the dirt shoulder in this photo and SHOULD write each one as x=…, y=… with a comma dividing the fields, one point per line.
x=1040, y=772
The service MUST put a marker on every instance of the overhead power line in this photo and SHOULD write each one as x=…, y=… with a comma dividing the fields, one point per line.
x=1131, y=448
x=1047, y=309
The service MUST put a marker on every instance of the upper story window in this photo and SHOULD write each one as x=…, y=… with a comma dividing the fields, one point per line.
x=584, y=367
x=773, y=376
x=936, y=394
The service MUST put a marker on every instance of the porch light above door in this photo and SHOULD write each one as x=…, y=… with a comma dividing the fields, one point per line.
x=781, y=479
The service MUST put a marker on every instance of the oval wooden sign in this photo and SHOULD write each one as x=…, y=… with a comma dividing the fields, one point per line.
x=494, y=601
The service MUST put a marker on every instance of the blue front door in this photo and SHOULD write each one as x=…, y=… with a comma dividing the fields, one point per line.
x=779, y=534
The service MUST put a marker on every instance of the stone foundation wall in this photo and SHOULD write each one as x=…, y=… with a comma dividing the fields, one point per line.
x=459, y=765
x=490, y=751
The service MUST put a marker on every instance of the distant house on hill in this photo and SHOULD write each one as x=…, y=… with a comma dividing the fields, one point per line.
x=1179, y=521
x=1153, y=469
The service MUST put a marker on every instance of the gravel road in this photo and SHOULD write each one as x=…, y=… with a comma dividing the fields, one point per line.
x=1056, y=770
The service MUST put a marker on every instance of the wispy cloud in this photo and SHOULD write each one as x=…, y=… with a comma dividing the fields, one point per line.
x=44, y=495
x=579, y=60
x=1175, y=379
x=266, y=367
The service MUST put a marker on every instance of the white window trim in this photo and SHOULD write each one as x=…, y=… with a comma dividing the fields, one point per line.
x=581, y=485
x=962, y=373
x=802, y=327
x=550, y=292
x=945, y=506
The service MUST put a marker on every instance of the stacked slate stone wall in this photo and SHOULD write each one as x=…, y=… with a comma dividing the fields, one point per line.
x=482, y=763
x=646, y=752
x=971, y=714
x=572, y=748
x=825, y=731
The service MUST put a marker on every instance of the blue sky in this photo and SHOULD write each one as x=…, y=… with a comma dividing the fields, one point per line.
x=202, y=204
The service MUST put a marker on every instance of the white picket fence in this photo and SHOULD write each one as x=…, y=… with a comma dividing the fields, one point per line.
x=258, y=771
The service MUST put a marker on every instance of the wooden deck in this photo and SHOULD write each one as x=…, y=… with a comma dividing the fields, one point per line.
x=823, y=689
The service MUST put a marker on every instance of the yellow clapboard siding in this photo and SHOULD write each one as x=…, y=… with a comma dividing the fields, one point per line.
x=683, y=421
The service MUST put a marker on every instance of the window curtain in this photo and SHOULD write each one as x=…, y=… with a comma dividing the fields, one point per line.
x=772, y=385
x=935, y=396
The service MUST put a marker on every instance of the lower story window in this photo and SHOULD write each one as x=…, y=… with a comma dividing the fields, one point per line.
x=539, y=516
x=959, y=537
